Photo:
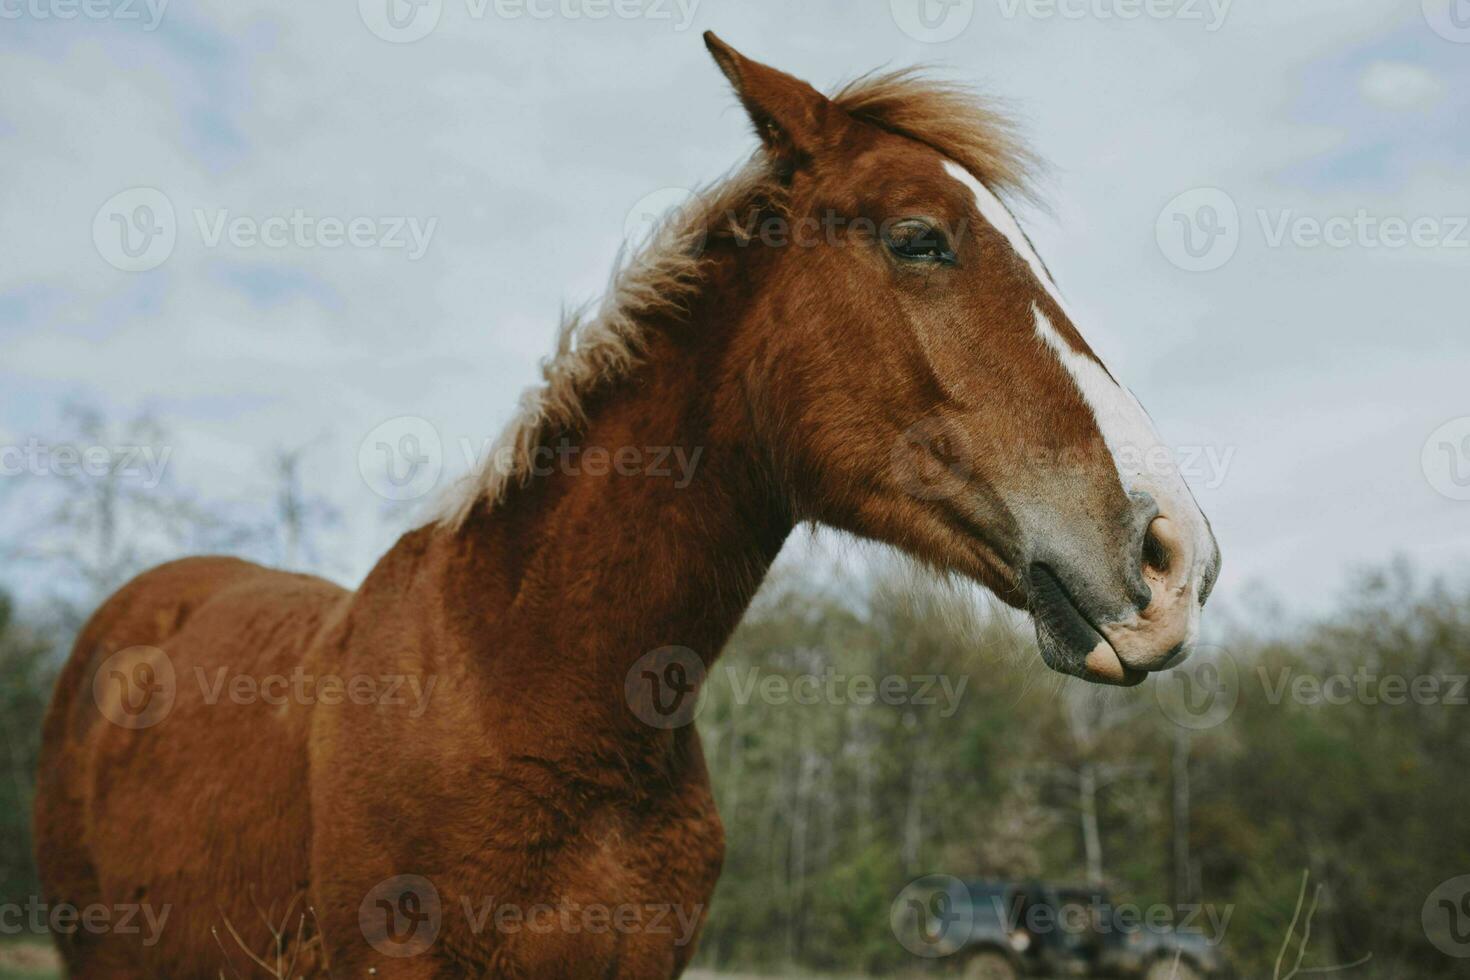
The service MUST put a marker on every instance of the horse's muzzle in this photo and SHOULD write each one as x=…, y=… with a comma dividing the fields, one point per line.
x=1147, y=620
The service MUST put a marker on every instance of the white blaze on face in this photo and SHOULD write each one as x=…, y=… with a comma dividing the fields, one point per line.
x=1143, y=461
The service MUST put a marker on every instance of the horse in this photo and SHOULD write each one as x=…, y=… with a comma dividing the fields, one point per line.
x=852, y=330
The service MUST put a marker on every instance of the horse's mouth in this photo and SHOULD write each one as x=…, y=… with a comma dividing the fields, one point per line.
x=1070, y=643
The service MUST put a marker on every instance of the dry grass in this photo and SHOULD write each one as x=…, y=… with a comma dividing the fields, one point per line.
x=28, y=961
x=711, y=975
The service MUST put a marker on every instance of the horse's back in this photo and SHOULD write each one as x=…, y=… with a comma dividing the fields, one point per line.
x=183, y=689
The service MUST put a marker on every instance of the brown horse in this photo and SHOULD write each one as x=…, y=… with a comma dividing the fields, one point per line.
x=475, y=765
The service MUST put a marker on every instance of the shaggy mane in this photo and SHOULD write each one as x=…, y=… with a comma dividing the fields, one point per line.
x=595, y=350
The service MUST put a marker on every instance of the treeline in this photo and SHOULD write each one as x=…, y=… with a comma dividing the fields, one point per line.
x=25, y=684
x=1338, y=751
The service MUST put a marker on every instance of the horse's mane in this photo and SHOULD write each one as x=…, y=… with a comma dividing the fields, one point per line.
x=657, y=281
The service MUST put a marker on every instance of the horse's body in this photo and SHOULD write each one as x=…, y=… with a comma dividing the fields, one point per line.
x=498, y=795
x=482, y=794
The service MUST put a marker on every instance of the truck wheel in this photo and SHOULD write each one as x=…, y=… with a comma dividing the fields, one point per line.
x=989, y=965
x=1169, y=970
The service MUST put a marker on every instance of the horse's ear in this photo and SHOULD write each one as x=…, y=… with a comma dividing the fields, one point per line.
x=789, y=116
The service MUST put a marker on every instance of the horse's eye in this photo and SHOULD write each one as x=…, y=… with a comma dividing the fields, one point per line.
x=914, y=240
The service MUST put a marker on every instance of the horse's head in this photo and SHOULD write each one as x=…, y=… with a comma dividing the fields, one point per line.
x=934, y=390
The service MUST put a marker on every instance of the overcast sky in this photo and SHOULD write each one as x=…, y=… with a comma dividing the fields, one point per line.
x=1302, y=345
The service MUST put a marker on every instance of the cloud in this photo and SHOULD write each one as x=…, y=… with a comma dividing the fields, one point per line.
x=1400, y=85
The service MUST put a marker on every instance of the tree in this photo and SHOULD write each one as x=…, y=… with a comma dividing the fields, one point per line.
x=299, y=514
x=24, y=686
x=107, y=507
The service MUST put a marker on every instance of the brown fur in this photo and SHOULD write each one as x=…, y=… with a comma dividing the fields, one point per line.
x=796, y=371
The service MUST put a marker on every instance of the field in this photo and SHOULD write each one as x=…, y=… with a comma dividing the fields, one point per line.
x=707, y=975
x=27, y=961
x=34, y=961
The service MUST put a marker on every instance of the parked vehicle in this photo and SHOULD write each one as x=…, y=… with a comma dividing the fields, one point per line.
x=1039, y=929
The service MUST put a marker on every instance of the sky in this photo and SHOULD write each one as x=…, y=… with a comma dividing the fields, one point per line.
x=280, y=224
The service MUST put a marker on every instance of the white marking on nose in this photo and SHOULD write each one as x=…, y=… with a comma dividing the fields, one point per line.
x=1001, y=219
x=1126, y=429
x=1142, y=460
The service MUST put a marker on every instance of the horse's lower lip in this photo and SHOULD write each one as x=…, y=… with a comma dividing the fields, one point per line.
x=1104, y=666
x=1084, y=652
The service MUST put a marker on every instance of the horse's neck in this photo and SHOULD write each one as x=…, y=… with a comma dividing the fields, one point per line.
x=575, y=576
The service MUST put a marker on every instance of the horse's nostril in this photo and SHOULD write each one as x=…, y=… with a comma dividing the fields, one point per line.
x=1156, y=551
